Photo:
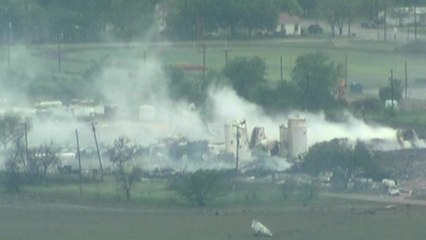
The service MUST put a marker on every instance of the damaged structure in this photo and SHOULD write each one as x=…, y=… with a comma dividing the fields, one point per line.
x=259, y=141
x=407, y=136
x=293, y=142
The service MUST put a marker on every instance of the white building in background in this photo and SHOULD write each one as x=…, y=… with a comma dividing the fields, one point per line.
x=293, y=138
x=404, y=16
x=288, y=25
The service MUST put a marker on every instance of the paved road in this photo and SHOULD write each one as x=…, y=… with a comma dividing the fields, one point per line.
x=378, y=198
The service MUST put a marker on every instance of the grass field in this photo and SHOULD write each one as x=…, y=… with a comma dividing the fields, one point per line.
x=324, y=219
x=56, y=211
x=369, y=63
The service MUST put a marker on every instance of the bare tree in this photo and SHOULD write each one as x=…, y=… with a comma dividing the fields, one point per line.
x=39, y=160
x=12, y=127
x=14, y=171
x=121, y=156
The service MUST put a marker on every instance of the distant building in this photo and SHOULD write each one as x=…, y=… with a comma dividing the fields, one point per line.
x=404, y=16
x=288, y=25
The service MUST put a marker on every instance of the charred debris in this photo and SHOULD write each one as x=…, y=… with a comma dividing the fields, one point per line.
x=251, y=153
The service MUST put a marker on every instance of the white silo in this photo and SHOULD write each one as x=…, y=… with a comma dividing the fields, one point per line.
x=293, y=138
x=283, y=140
x=297, y=137
x=238, y=128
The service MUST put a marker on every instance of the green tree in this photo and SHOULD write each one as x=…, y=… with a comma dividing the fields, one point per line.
x=316, y=76
x=291, y=6
x=188, y=86
x=341, y=158
x=201, y=186
x=414, y=4
x=195, y=18
x=328, y=156
x=121, y=156
x=246, y=75
x=392, y=92
x=334, y=12
x=364, y=161
x=308, y=6
x=277, y=96
x=368, y=9
x=259, y=14
x=131, y=17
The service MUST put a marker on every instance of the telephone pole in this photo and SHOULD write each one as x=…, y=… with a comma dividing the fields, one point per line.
x=80, y=181
x=59, y=52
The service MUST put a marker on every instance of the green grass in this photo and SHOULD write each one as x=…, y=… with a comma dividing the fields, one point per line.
x=402, y=118
x=368, y=62
x=323, y=219
x=56, y=211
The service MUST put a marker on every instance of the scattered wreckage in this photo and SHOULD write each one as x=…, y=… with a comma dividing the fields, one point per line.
x=260, y=229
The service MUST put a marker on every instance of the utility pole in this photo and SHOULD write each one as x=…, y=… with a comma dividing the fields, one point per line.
x=392, y=96
x=79, y=164
x=226, y=57
x=26, y=140
x=226, y=52
x=204, y=58
x=406, y=81
x=59, y=52
x=237, y=157
x=385, y=22
x=346, y=70
x=8, y=28
x=415, y=22
x=98, y=152
x=26, y=23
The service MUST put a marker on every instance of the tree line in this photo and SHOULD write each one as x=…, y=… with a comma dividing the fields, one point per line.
x=313, y=84
x=41, y=21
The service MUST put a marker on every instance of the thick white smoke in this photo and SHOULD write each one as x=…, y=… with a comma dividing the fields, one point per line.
x=131, y=84
x=229, y=107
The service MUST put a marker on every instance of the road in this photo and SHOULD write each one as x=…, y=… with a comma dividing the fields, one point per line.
x=402, y=200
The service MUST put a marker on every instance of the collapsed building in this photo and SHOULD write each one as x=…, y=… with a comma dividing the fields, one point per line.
x=407, y=137
x=259, y=142
x=293, y=142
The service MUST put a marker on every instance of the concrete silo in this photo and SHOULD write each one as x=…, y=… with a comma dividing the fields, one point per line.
x=293, y=138
x=232, y=131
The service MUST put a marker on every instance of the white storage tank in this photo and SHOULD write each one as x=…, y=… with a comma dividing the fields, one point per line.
x=293, y=138
x=283, y=140
x=231, y=139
